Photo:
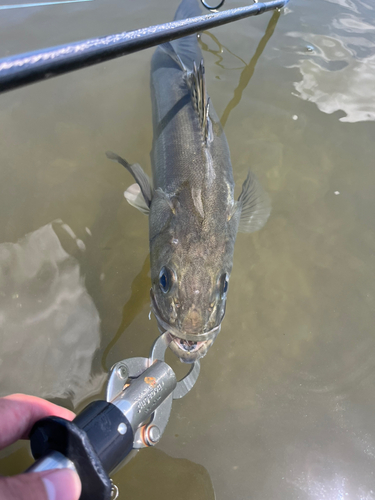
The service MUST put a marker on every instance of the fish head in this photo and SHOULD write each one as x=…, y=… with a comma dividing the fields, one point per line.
x=190, y=273
x=189, y=302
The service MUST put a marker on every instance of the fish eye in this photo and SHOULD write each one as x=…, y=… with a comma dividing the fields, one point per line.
x=224, y=280
x=165, y=279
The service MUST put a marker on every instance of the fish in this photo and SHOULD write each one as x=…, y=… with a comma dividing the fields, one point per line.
x=193, y=216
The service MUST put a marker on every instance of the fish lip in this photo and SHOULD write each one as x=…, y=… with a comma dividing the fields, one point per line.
x=189, y=356
x=192, y=337
x=181, y=344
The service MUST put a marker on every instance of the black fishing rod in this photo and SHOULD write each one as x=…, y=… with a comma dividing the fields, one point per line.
x=23, y=69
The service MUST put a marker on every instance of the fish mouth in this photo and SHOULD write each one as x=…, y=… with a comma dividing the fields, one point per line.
x=188, y=347
x=189, y=351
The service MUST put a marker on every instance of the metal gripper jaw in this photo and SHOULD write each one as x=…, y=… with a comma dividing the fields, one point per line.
x=161, y=386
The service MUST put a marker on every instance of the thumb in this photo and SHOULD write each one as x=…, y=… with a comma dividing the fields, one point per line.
x=57, y=484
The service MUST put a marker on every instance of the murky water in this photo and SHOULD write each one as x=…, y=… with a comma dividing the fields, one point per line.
x=284, y=407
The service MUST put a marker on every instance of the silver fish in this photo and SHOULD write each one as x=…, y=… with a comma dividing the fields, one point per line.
x=193, y=217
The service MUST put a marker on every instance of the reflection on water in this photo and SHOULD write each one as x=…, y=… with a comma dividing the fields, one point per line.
x=154, y=474
x=49, y=326
x=345, y=3
x=249, y=69
x=139, y=298
x=219, y=52
x=339, y=74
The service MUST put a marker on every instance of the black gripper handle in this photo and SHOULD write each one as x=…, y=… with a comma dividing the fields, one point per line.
x=97, y=440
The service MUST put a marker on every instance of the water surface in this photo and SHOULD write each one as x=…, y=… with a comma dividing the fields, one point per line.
x=284, y=407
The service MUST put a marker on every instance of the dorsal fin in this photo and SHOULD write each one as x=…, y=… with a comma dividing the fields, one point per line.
x=201, y=101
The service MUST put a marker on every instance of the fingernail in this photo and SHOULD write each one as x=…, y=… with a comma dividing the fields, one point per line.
x=62, y=484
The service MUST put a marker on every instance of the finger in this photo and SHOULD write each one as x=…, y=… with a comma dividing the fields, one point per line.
x=62, y=484
x=20, y=412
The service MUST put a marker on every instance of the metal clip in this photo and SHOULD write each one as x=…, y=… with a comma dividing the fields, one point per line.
x=213, y=9
x=114, y=491
x=124, y=371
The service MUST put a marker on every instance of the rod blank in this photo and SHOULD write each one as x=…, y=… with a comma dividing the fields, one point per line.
x=17, y=71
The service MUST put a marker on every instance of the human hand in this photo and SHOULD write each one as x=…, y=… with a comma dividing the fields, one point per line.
x=18, y=413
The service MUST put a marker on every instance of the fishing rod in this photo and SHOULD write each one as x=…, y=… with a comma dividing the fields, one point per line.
x=139, y=397
x=23, y=69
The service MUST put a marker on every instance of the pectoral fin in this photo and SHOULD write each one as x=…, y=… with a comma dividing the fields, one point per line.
x=140, y=177
x=254, y=204
x=135, y=198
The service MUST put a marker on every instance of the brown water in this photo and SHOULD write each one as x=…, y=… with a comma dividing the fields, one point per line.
x=284, y=407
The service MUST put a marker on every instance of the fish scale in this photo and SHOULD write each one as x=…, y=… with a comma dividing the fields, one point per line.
x=193, y=217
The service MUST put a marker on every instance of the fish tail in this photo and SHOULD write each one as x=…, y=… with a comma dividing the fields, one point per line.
x=188, y=8
x=187, y=48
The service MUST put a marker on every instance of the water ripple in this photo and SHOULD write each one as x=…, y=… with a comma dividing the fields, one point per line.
x=334, y=77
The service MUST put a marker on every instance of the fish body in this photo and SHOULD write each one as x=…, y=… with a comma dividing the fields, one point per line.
x=193, y=217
